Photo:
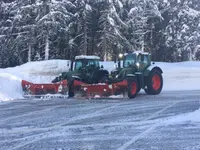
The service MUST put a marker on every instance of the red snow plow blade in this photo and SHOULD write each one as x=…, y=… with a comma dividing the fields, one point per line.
x=100, y=90
x=31, y=89
x=78, y=88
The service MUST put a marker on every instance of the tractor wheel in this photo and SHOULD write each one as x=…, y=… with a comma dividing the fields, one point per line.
x=154, y=83
x=132, y=88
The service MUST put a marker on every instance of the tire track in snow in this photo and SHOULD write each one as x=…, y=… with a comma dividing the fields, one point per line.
x=144, y=133
x=34, y=138
x=35, y=112
x=27, y=114
x=50, y=131
x=86, y=116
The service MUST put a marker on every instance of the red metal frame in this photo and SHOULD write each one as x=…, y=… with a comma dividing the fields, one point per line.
x=100, y=89
x=91, y=90
x=38, y=89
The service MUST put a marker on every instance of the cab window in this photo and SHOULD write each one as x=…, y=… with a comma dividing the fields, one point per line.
x=129, y=60
x=78, y=64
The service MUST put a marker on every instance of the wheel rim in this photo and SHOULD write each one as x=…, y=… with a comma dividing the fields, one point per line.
x=156, y=82
x=133, y=88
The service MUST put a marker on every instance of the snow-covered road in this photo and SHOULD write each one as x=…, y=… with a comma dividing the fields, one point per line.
x=146, y=122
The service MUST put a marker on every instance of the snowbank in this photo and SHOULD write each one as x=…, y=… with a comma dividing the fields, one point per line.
x=189, y=117
x=181, y=76
x=176, y=76
x=37, y=72
x=10, y=87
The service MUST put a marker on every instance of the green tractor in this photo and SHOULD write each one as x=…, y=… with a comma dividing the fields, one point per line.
x=138, y=67
x=86, y=76
x=86, y=69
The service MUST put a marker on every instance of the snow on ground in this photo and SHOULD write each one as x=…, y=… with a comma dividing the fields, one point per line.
x=177, y=76
x=181, y=76
x=188, y=117
x=142, y=123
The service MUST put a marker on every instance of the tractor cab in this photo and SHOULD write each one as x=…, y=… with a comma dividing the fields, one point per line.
x=132, y=62
x=138, y=60
x=86, y=62
x=84, y=68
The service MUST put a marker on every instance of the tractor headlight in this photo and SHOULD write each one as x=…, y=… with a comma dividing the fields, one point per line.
x=120, y=56
x=138, y=65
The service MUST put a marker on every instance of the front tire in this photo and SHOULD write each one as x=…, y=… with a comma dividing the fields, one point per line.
x=154, y=83
x=132, y=88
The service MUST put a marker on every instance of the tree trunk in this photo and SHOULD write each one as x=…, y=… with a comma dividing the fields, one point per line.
x=105, y=48
x=85, y=39
x=29, y=53
x=47, y=48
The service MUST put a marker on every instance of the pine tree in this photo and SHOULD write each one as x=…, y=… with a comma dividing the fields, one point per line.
x=181, y=36
x=52, y=25
x=110, y=37
x=139, y=16
x=66, y=28
x=84, y=20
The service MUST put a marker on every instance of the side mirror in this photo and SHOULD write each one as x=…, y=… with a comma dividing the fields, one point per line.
x=102, y=67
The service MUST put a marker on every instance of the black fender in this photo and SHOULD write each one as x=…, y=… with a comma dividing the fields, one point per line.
x=152, y=67
x=158, y=69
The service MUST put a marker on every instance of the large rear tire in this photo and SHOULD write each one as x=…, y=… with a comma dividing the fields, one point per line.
x=154, y=83
x=132, y=87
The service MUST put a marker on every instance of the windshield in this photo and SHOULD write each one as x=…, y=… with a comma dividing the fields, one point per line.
x=142, y=58
x=82, y=63
x=129, y=60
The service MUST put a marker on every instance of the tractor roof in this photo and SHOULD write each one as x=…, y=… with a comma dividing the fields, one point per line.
x=141, y=52
x=138, y=52
x=86, y=57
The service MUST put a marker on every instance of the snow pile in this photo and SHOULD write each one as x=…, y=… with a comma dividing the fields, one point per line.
x=10, y=87
x=189, y=117
x=181, y=76
x=37, y=72
x=109, y=65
